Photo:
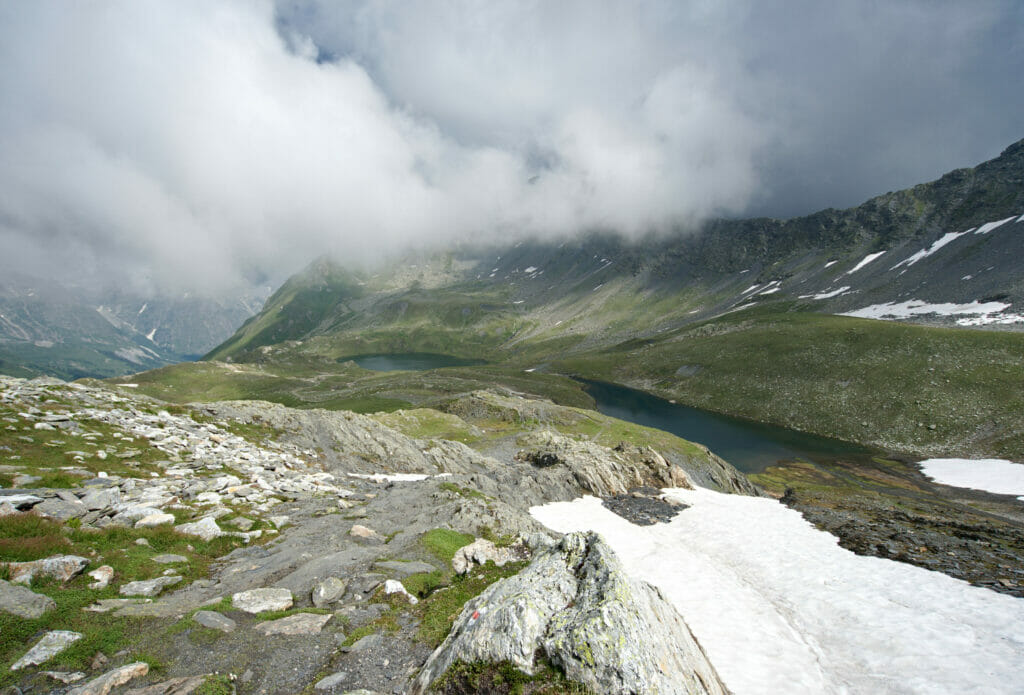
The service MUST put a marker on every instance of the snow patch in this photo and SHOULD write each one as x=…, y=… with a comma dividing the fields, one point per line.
x=142, y=309
x=924, y=253
x=867, y=259
x=989, y=226
x=779, y=607
x=391, y=477
x=750, y=289
x=827, y=294
x=992, y=475
x=531, y=269
x=149, y=336
x=830, y=264
x=915, y=307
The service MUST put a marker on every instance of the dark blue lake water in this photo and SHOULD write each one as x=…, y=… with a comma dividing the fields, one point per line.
x=749, y=446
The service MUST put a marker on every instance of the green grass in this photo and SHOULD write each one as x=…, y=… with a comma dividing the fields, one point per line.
x=888, y=384
x=443, y=543
x=26, y=537
x=277, y=615
x=503, y=677
x=215, y=685
x=463, y=491
x=439, y=610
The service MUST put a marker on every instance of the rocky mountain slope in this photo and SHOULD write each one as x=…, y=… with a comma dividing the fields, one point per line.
x=766, y=319
x=167, y=546
x=72, y=332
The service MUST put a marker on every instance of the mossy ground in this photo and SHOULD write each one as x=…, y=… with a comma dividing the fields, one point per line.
x=504, y=678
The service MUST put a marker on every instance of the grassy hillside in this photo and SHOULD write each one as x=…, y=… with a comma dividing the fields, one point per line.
x=911, y=388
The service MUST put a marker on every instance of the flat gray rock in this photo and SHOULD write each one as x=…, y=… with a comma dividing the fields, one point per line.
x=263, y=600
x=404, y=569
x=331, y=681
x=299, y=624
x=168, y=558
x=23, y=501
x=23, y=602
x=52, y=644
x=148, y=587
x=60, y=509
x=215, y=621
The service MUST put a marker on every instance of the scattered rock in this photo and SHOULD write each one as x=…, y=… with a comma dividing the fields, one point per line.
x=576, y=605
x=65, y=677
x=60, y=567
x=102, y=575
x=110, y=680
x=51, y=644
x=206, y=528
x=359, y=531
x=148, y=587
x=242, y=523
x=155, y=520
x=23, y=602
x=482, y=550
x=60, y=509
x=215, y=621
x=279, y=521
x=643, y=506
x=331, y=681
x=262, y=600
x=168, y=558
x=299, y=624
x=22, y=501
x=328, y=591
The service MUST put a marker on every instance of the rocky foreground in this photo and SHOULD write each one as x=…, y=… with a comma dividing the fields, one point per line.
x=247, y=547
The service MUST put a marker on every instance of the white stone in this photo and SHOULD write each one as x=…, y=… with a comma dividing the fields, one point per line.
x=102, y=575
x=393, y=586
x=263, y=600
x=206, y=528
x=154, y=520
x=52, y=644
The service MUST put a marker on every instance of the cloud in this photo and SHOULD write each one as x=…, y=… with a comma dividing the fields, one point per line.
x=195, y=144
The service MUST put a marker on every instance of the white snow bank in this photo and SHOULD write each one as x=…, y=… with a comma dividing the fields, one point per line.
x=828, y=294
x=830, y=264
x=992, y=475
x=924, y=253
x=989, y=226
x=867, y=259
x=392, y=477
x=915, y=307
x=779, y=607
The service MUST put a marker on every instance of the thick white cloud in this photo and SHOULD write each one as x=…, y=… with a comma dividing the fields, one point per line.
x=191, y=143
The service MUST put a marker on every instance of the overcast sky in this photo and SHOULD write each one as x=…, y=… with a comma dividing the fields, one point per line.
x=195, y=144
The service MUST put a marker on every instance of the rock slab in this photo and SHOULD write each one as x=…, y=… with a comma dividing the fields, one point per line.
x=23, y=602
x=52, y=644
x=576, y=605
x=262, y=600
x=59, y=567
x=110, y=680
x=148, y=587
x=300, y=624
x=214, y=620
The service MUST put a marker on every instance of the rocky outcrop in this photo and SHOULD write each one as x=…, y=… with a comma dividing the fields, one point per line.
x=576, y=606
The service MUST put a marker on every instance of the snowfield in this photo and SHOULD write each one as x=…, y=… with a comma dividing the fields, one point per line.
x=779, y=607
x=992, y=475
x=981, y=312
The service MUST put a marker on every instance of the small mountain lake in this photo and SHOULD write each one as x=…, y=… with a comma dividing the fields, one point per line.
x=410, y=361
x=749, y=446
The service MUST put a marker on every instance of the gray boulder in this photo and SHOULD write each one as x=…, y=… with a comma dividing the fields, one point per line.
x=59, y=567
x=214, y=621
x=262, y=600
x=576, y=605
x=481, y=551
x=148, y=587
x=23, y=602
x=328, y=591
x=50, y=645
